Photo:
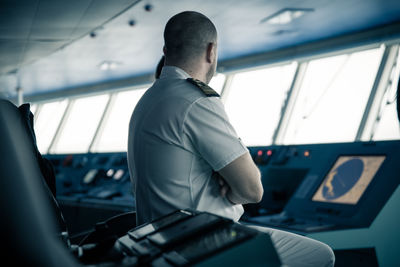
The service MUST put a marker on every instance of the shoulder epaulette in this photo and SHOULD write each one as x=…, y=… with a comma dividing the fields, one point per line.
x=207, y=90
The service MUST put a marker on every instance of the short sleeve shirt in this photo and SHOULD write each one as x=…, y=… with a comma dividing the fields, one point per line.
x=178, y=137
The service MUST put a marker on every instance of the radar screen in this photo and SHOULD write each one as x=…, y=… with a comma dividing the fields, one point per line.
x=348, y=179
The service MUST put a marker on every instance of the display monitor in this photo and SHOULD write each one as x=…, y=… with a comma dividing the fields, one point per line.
x=348, y=179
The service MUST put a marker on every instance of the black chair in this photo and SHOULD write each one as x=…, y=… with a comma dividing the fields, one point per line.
x=29, y=228
x=33, y=229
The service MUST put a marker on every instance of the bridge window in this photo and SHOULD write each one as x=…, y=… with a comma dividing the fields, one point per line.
x=33, y=108
x=327, y=106
x=47, y=123
x=217, y=82
x=255, y=100
x=333, y=97
x=80, y=125
x=114, y=135
x=387, y=125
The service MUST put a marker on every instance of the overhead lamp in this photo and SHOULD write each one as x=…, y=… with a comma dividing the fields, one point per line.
x=148, y=7
x=286, y=15
x=94, y=33
x=109, y=65
x=132, y=22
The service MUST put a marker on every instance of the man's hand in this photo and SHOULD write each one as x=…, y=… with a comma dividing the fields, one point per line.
x=244, y=180
x=224, y=187
x=225, y=190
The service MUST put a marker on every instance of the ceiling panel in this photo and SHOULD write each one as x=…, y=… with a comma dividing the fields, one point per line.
x=10, y=51
x=17, y=14
x=56, y=52
x=31, y=30
x=15, y=21
x=35, y=50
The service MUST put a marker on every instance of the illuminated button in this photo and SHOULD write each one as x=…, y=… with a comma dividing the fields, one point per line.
x=118, y=174
x=306, y=153
x=263, y=156
x=110, y=172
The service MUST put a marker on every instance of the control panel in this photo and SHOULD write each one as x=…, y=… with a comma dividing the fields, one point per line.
x=316, y=187
x=93, y=178
x=343, y=184
x=91, y=188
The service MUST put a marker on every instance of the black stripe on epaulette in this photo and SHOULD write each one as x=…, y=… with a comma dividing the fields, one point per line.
x=207, y=90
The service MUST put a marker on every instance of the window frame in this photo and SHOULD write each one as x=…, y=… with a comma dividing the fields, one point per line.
x=365, y=130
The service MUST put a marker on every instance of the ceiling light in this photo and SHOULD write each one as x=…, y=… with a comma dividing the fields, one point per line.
x=95, y=32
x=148, y=7
x=286, y=15
x=109, y=65
x=132, y=23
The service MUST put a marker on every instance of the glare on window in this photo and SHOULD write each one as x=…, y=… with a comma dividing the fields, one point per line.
x=47, y=123
x=332, y=98
x=217, y=82
x=80, y=125
x=255, y=101
x=114, y=135
x=387, y=126
x=33, y=108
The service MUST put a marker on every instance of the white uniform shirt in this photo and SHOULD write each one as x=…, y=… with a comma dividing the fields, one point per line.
x=177, y=137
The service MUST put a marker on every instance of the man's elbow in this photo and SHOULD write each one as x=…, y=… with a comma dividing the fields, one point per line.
x=258, y=190
x=255, y=192
x=257, y=195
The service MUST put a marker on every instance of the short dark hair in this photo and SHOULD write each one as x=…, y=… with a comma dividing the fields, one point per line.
x=187, y=34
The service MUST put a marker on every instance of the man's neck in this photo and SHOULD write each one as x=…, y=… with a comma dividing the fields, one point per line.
x=196, y=75
x=195, y=71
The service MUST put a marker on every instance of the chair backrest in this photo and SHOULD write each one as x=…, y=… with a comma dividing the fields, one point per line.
x=48, y=178
x=27, y=222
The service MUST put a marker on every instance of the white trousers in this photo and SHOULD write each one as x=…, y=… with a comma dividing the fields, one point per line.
x=299, y=251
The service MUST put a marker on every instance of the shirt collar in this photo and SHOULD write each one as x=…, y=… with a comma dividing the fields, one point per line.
x=173, y=72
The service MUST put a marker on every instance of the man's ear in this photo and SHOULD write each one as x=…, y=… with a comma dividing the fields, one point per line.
x=164, y=49
x=211, y=52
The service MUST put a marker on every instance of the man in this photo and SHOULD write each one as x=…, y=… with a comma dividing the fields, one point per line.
x=184, y=153
x=179, y=136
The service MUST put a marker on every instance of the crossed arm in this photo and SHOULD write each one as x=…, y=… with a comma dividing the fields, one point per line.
x=241, y=181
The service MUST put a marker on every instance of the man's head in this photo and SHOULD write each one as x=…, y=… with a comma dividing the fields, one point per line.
x=191, y=44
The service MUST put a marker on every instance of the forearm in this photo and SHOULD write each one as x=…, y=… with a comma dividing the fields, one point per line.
x=244, y=181
x=235, y=198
